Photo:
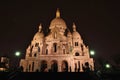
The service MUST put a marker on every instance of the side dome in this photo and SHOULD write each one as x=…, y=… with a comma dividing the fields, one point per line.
x=58, y=22
x=75, y=34
x=39, y=35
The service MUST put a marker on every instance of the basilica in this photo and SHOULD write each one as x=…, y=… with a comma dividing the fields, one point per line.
x=57, y=52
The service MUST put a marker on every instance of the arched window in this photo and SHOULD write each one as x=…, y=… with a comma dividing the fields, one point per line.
x=70, y=69
x=55, y=47
x=32, y=66
x=38, y=49
x=76, y=54
x=64, y=66
x=76, y=43
x=75, y=67
x=81, y=47
x=54, y=66
x=29, y=67
x=43, y=66
x=31, y=51
x=36, y=44
x=46, y=51
x=63, y=51
x=35, y=54
x=30, y=55
x=78, y=66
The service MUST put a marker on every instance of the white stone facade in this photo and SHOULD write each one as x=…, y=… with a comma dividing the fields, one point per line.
x=57, y=52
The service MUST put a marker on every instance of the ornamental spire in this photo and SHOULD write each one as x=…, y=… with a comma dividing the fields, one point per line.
x=57, y=13
x=74, y=27
x=40, y=28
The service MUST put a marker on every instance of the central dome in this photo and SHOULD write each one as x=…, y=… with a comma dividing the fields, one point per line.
x=58, y=22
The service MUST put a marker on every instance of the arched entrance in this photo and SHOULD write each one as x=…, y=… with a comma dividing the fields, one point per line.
x=64, y=66
x=54, y=66
x=43, y=66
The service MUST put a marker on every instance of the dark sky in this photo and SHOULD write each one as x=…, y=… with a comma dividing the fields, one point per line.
x=97, y=21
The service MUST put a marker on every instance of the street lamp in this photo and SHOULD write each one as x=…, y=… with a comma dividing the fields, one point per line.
x=92, y=52
x=107, y=66
x=17, y=53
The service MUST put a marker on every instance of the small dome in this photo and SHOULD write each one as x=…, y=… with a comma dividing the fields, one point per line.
x=38, y=36
x=76, y=35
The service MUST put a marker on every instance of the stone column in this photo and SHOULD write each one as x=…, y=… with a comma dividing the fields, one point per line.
x=81, y=69
x=72, y=66
x=36, y=66
x=59, y=66
x=49, y=65
x=77, y=65
x=69, y=66
x=26, y=67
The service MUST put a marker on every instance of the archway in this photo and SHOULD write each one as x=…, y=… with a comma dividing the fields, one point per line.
x=43, y=66
x=64, y=66
x=54, y=66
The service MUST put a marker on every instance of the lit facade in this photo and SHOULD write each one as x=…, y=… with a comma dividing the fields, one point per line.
x=4, y=64
x=57, y=52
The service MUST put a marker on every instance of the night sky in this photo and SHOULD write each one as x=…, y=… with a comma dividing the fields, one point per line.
x=97, y=21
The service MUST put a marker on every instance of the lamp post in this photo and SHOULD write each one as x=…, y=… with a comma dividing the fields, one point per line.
x=92, y=53
x=17, y=55
x=107, y=67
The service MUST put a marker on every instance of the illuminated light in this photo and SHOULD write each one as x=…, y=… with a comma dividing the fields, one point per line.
x=92, y=52
x=17, y=53
x=107, y=65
